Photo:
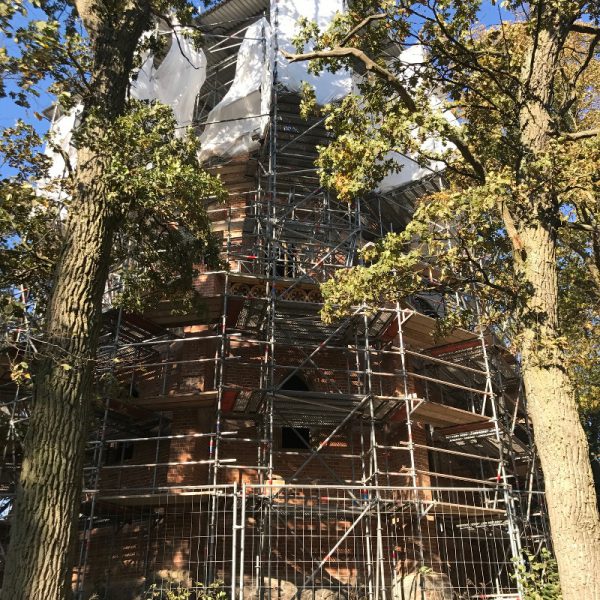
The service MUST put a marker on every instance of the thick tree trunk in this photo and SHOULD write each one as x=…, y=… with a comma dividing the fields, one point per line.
x=559, y=436
x=42, y=529
x=43, y=532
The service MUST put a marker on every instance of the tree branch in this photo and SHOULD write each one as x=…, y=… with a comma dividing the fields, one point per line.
x=580, y=226
x=87, y=11
x=173, y=29
x=589, y=28
x=590, y=55
x=483, y=272
x=588, y=261
x=82, y=72
x=64, y=155
x=371, y=66
x=581, y=135
x=472, y=54
x=358, y=27
x=511, y=227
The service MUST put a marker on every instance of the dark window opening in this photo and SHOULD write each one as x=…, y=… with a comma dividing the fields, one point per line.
x=294, y=384
x=285, y=261
x=117, y=452
x=295, y=438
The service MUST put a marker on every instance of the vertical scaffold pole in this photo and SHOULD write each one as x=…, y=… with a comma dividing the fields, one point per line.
x=98, y=457
x=11, y=431
x=501, y=479
x=263, y=548
x=368, y=471
x=215, y=441
x=374, y=475
x=408, y=401
x=234, y=539
x=242, y=527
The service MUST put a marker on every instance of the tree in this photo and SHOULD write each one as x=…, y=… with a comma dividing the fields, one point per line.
x=136, y=190
x=521, y=155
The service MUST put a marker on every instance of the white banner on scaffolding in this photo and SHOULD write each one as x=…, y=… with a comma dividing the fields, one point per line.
x=328, y=86
x=237, y=123
x=176, y=82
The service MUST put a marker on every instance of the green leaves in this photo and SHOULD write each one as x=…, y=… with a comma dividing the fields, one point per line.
x=468, y=92
x=395, y=271
x=539, y=576
x=150, y=175
x=160, y=195
x=44, y=53
x=20, y=373
x=467, y=87
x=358, y=156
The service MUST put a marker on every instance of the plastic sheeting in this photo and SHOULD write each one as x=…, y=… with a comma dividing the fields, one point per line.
x=61, y=131
x=410, y=169
x=328, y=86
x=334, y=86
x=237, y=123
x=177, y=80
x=176, y=83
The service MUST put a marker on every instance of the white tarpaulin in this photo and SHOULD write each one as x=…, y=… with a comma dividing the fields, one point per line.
x=239, y=121
x=57, y=149
x=328, y=86
x=61, y=131
x=176, y=81
x=236, y=124
x=411, y=170
x=334, y=86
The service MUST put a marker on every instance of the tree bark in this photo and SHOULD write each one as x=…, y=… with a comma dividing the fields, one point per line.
x=39, y=560
x=560, y=440
x=559, y=437
x=43, y=524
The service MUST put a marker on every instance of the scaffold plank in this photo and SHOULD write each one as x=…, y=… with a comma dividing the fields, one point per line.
x=461, y=510
x=441, y=415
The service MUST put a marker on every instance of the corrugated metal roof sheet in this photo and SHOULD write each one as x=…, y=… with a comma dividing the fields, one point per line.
x=230, y=13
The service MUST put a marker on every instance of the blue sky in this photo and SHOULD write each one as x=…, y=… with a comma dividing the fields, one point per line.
x=9, y=111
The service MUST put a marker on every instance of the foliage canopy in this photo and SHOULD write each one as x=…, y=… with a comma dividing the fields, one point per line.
x=465, y=234
x=151, y=177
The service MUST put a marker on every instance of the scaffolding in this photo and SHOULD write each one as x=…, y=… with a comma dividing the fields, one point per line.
x=247, y=447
